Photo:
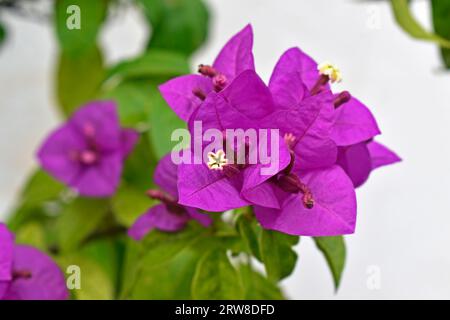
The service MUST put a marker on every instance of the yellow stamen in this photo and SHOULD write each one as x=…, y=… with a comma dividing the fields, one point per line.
x=331, y=71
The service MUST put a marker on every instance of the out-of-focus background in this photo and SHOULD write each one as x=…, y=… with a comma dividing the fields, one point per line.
x=400, y=248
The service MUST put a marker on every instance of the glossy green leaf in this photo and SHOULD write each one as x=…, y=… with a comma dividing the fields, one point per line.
x=162, y=246
x=129, y=203
x=178, y=25
x=152, y=64
x=216, y=279
x=277, y=254
x=441, y=23
x=249, y=231
x=78, y=78
x=79, y=220
x=409, y=24
x=258, y=287
x=78, y=23
x=158, y=256
x=333, y=248
x=171, y=280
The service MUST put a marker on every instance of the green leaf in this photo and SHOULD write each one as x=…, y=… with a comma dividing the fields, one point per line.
x=171, y=280
x=78, y=78
x=108, y=254
x=41, y=187
x=249, y=231
x=333, y=248
x=90, y=15
x=257, y=287
x=140, y=102
x=163, y=122
x=134, y=99
x=2, y=34
x=157, y=256
x=39, y=190
x=277, y=254
x=153, y=63
x=409, y=24
x=178, y=25
x=32, y=234
x=441, y=23
x=80, y=219
x=95, y=282
x=129, y=203
x=162, y=246
x=139, y=166
x=216, y=279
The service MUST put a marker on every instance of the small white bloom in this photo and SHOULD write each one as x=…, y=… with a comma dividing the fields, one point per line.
x=216, y=161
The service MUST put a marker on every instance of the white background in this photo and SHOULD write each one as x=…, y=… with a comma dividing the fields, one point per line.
x=404, y=210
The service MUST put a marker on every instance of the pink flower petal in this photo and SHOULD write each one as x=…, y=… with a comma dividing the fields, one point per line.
x=236, y=56
x=210, y=190
x=46, y=282
x=354, y=123
x=157, y=217
x=334, y=211
x=294, y=60
x=356, y=162
x=179, y=96
x=381, y=155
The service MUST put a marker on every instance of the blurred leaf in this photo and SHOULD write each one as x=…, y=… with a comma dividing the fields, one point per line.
x=277, y=254
x=179, y=25
x=256, y=286
x=78, y=78
x=107, y=253
x=333, y=248
x=129, y=203
x=140, y=165
x=441, y=22
x=32, y=234
x=140, y=102
x=249, y=231
x=133, y=98
x=96, y=283
x=163, y=121
x=80, y=219
x=409, y=24
x=216, y=279
x=74, y=41
x=153, y=63
x=2, y=34
x=39, y=189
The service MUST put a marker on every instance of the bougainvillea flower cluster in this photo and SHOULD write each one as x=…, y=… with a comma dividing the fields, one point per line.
x=88, y=151
x=324, y=147
x=327, y=147
x=26, y=273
